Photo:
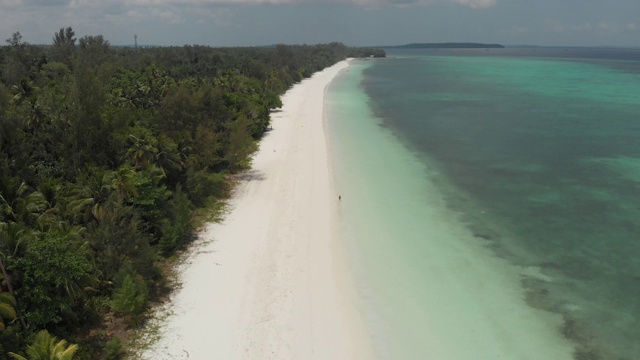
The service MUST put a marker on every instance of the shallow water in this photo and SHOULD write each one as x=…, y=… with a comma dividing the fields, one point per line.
x=538, y=157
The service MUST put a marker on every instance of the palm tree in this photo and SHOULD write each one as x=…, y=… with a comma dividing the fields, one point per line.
x=143, y=149
x=23, y=90
x=10, y=297
x=168, y=159
x=36, y=115
x=124, y=182
x=11, y=191
x=7, y=308
x=16, y=204
x=11, y=244
x=47, y=347
x=52, y=194
x=13, y=237
x=91, y=193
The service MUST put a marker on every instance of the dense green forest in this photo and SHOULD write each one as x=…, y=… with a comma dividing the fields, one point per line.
x=109, y=156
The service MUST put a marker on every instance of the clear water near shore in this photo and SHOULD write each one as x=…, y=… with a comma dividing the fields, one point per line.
x=538, y=158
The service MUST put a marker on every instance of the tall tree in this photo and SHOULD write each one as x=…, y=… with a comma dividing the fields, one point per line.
x=16, y=40
x=64, y=42
x=65, y=37
x=17, y=64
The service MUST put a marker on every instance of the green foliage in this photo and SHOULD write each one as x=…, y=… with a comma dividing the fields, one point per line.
x=11, y=340
x=114, y=350
x=240, y=144
x=7, y=309
x=54, y=71
x=118, y=239
x=55, y=274
x=202, y=185
x=65, y=37
x=13, y=200
x=178, y=225
x=130, y=299
x=46, y=346
x=4, y=98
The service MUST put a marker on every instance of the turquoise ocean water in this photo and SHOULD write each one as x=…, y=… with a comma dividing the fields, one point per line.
x=536, y=153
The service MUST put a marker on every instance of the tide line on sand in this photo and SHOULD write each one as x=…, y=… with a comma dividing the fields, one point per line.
x=267, y=282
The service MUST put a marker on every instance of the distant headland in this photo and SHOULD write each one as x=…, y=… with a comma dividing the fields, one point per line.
x=448, y=45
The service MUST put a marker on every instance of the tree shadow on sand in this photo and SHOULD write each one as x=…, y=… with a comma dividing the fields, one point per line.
x=249, y=175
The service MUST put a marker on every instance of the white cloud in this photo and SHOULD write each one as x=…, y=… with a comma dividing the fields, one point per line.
x=74, y=4
x=46, y=2
x=592, y=29
x=94, y=4
x=206, y=2
x=477, y=4
x=167, y=16
x=135, y=15
x=10, y=3
x=572, y=28
x=219, y=16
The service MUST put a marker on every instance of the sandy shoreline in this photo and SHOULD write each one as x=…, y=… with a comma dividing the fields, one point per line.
x=430, y=288
x=269, y=283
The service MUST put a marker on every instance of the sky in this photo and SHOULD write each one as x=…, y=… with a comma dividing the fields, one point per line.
x=353, y=22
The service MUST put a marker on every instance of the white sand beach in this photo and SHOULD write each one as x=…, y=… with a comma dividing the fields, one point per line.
x=269, y=283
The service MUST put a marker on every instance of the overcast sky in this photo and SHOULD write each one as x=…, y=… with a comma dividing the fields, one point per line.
x=354, y=22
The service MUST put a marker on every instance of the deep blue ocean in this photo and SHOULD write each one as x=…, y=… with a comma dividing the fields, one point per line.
x=538, y=151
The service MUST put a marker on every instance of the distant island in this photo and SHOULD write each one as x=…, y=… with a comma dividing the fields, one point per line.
x=449, y=45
